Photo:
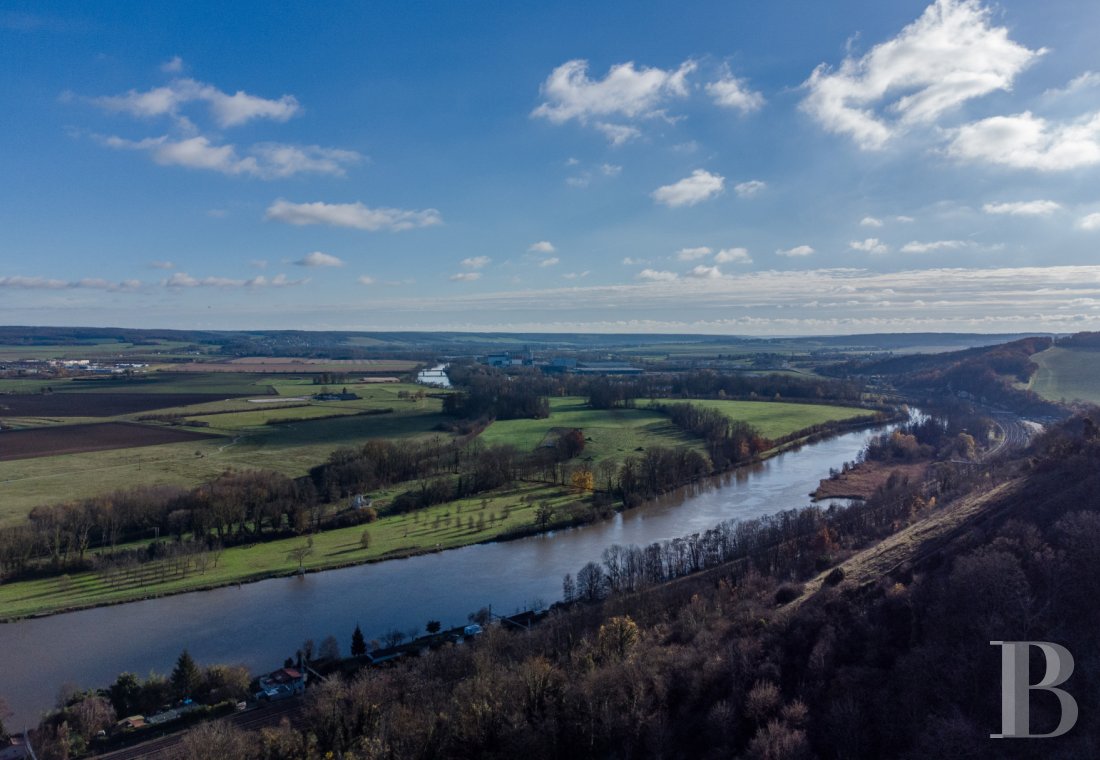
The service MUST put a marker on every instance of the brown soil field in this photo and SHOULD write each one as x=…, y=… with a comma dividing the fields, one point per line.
x=280, y=365
x=99, y=404
x=77, y=439
x=862, y=481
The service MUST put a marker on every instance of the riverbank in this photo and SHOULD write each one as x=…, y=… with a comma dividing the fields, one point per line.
x=505, y=515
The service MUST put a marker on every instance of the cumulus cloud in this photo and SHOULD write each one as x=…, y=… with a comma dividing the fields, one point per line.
x=365, y=280
x=543, y=246
x=870, y=245
x=576, y=275
x=733, y=256
x=354, y=215
x=1090, y=222
x=1026, y=141
x=1080, y=83
x=465, y=277
x=228, y=110
x=173, y=65
x=655, y=275
x=631, y=261
x=798, y=250
x=731, y=92
x=476, y=262
x=691, y=254
x=950, y=55
x=703, y=272
x=700, y=186
x=750, y=188
x=610, y=170
x=937, y=245
x=1023, y=208
x=549, y=262
x=264, y=161
x=162, y=265
x=625, y=92
x=870, y=221
x=318, y=259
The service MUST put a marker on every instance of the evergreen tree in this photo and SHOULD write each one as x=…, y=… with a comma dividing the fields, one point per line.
x=358, y=643
x=186, y=675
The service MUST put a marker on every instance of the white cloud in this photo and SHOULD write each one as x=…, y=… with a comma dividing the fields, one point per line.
x=798, y=250
x=733, y=256
x=1025, y=141
x=1085, y=81
x=162, y=265
x=618, y=134
x=1023, y=208
x=626, y=92
x=750, y=188
x=365, y=280
x=183, y=280
x=870, y=221
x=610, y=170
x=948, y=56
x=266, y=160
x=691, y=254
x=576, y=275
x=700, y=186
x=465, y=277
x=46, y=283
x=549, y=262
x=1090, y=222
x=937, y=245
x=543, y=246
x=258, y=263
x=904, y=219
x=476, y=262
x=318, y=259
x=870, y=245
x=655, y=275
x=630, y=261
x=731, y=92
x=354, y=215
x=703, y=272
x=173, y=65
x=227, y=110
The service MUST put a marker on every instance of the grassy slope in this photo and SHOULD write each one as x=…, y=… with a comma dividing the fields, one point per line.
x=1067, y=374
x=777, y=419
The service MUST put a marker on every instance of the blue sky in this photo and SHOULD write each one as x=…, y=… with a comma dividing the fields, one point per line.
x=718, y=167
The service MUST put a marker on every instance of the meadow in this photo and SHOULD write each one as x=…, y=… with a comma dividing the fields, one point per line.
x=776, y=419
x=1067, y=374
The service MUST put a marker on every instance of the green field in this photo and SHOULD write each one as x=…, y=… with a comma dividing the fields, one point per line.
x=1066, y=374
x=247, y=442
x=394, y=536
x=613, y=433
x=776, y=419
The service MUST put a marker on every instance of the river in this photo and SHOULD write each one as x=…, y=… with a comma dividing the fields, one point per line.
x=260, y=624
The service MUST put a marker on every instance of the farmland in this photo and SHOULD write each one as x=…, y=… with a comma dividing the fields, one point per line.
x=237, y=432
x=442, y=527
x=1069, y=374
x=78, y=439
x=773, y=419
